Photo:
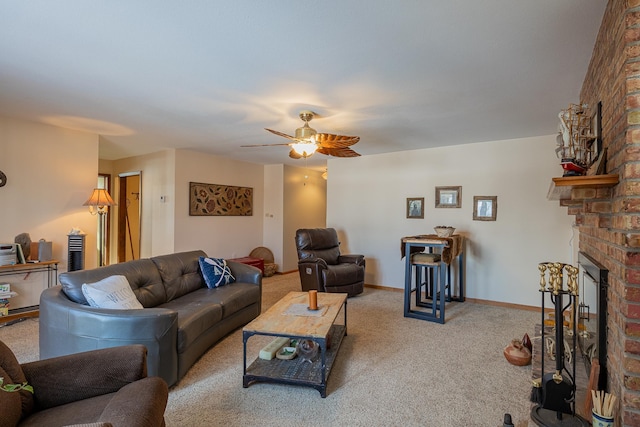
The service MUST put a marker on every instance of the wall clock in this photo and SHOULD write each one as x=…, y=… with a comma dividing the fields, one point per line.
x=3, y=179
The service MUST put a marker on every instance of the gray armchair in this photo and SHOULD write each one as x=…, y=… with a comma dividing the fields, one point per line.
x=321, y=265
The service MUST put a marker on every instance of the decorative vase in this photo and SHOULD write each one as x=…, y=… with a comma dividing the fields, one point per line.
x=517, y=354
x=526, y=341
x=308, y=350
x=601, y=421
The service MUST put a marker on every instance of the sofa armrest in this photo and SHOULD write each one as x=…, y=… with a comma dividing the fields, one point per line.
x=67, y=327
x=139, y=404
x=79, y=376
x=245, y=273
x=351, y=258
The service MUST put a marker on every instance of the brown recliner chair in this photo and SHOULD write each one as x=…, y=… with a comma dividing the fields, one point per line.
x=322, y=267
x=103, y=388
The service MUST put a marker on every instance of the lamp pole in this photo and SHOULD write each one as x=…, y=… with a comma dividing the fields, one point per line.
x=99, y=203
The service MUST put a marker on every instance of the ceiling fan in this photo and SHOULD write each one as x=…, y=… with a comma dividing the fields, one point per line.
x=308, y=141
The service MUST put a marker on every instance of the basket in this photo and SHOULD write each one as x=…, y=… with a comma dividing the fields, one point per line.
x=270, y=267
x=444, y=231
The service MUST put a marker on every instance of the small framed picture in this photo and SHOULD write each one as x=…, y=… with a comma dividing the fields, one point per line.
x=448, y=197
x=415, y=207
x=485, y=208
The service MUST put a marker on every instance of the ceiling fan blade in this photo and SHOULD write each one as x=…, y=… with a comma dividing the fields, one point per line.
x=264, y=145
x=293, y=138
x=338, y=152
x=329, y=140
x=294, y=155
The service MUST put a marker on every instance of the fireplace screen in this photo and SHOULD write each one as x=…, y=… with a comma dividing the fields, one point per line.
x=592, y=313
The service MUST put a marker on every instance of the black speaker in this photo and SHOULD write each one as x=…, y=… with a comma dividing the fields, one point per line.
x=76, y=252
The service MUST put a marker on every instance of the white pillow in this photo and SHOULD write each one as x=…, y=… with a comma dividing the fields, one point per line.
x=111, y=292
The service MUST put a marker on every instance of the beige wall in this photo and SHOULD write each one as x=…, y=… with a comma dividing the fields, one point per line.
x=272, y=234
x=157, y=217
x=50, y=174
x=218, y=236
x=305, y=206
x=367, y=205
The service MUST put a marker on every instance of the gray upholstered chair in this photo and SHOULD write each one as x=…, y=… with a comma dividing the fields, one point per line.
x=104, y=388
x=321, y=265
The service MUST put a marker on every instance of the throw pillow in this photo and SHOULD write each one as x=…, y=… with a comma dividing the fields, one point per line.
x=216, y=272
x=111, y=292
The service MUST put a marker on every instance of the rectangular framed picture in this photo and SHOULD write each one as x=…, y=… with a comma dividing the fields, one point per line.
x=219, y=200
x=485, y=208
x=448, y=197
x=415, y=207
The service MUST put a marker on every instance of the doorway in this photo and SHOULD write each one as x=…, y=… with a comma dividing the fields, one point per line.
x=129, y=209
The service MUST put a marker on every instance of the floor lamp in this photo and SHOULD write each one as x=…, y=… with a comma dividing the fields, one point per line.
x=99, y=203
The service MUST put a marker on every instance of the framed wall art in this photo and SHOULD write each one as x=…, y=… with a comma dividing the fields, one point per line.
x=485, y=208
x=448, y=197
x=415, y=207
x=219, y=200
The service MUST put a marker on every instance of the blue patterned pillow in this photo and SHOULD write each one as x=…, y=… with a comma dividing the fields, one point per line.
x=215, y=272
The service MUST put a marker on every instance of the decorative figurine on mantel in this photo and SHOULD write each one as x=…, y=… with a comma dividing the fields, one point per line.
x=576, y=138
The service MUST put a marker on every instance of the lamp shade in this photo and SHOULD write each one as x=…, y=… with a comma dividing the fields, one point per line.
x=305, y=149
x=100, y=198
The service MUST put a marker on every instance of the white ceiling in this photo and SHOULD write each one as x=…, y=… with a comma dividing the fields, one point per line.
x=211, y=75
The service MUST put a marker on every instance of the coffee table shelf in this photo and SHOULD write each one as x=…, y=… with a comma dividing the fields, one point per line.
x=279, y=321
x=297, y=370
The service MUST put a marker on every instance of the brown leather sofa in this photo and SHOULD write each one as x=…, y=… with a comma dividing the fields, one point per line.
x=180, y=321
x=321, y=265
x=103, y=388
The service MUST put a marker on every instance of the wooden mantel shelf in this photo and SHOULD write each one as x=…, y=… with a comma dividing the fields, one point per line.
x=561, y=187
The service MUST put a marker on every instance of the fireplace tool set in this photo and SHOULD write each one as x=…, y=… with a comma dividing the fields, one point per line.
x=555, y=392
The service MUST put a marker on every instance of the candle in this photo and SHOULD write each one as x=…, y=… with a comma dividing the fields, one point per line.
x=313, y=300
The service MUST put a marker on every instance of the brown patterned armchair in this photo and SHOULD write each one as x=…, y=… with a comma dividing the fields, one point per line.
x=102, y=388
x=321, y=265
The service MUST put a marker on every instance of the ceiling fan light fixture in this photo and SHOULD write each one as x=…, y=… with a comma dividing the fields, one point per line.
x=306, y=132
x=305, y=149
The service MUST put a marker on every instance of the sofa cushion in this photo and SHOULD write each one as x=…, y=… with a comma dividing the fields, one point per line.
x=343, y=274
x=215, y=272
x=142, y=274
x=111, y=292
x=79, y=412
x=180, y=273
x=196, y=314
x=233, y=298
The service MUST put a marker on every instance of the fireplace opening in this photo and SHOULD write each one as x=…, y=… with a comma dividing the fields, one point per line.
x=592, y=315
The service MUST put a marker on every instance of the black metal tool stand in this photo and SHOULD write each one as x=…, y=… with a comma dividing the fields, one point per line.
x=539, y=414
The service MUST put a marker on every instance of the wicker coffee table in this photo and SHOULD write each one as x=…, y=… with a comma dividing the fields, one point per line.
x=290, y=318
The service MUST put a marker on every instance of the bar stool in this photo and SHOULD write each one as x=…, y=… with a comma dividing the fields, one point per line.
x=427, y=267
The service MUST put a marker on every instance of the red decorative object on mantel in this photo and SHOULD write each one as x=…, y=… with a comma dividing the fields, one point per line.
x=517, y=354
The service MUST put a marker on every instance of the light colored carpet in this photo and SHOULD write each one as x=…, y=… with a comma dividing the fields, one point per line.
x=390, y=370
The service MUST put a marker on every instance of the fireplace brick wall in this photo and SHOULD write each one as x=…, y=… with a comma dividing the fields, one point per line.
x=609, y=218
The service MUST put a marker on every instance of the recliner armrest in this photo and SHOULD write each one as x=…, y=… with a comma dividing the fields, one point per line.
x=351, y=258
x=311, y=273
x=313, y=261
x=79, y=376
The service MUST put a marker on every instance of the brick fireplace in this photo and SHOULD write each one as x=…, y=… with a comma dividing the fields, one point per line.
x=608, y=218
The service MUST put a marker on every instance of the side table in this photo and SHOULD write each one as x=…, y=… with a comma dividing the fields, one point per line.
x=254, y=262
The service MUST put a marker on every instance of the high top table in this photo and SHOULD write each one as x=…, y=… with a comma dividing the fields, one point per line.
x=450, y=248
